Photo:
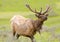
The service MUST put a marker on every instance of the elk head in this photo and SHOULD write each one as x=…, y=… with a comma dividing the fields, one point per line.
x=41, y=15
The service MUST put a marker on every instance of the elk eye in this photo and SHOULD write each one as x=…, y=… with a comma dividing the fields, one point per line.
x=46, y=14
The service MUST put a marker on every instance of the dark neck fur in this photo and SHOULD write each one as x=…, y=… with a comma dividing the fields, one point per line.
x=38, y=24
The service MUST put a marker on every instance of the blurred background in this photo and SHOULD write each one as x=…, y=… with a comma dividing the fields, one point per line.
x=51, y=27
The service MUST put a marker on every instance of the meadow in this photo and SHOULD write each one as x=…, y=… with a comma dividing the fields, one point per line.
x=51, y=27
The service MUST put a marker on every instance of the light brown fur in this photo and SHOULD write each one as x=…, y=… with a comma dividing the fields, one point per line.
x=28, y=27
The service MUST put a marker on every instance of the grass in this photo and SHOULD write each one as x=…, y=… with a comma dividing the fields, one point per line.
x=5, y=25
x=53, y=21
x=9, y=8
x=19, y=5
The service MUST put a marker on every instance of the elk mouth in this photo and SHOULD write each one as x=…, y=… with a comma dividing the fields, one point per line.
x=45, y=19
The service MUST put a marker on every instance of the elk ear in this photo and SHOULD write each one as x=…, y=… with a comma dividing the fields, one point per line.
x=46, y=14
x=37, y=15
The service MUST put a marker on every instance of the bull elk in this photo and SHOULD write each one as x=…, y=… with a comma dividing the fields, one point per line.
x=28, y=27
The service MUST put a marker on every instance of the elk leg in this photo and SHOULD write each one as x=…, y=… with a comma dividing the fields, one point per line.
x=17, y=35
x=39, y=32
x=32, y=39
x=14, y=33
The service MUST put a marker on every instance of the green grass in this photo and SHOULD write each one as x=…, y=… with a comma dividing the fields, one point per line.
x=19, y=5
x=5, y=25
x=53, y=21
x=9, y=8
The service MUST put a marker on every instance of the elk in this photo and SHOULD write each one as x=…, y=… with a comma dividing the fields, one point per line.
x=28, y=27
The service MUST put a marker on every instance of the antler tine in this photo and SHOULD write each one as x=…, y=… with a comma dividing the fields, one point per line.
x=41, y=10
x=46, y=10
x=35, y=10
x=31, y=9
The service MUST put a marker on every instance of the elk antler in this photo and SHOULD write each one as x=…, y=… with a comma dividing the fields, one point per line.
x=31, y=9
x=46, y=10
x=41, y=11
x=36, y=11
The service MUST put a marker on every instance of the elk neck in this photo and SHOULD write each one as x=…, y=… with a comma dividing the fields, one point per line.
x=38, y=24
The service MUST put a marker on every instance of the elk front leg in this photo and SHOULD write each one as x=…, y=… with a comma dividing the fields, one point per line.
x=32, y=39
x=39, y=32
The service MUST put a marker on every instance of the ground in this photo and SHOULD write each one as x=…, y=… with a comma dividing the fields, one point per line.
x=9, y=8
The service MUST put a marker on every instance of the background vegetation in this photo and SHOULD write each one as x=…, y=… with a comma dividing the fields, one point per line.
x=51, y=29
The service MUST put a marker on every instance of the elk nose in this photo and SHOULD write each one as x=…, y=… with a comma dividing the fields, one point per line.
x=45, y=18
